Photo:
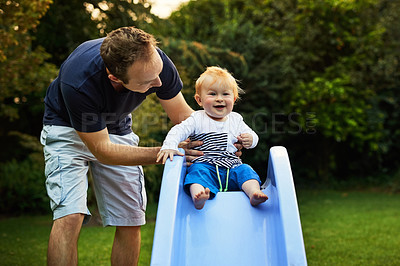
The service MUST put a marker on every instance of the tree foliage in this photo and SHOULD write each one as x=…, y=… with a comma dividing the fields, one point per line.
x=69, y=23
x=325, y=67
x=24, y=72
x=65, y=25
x=321, y=77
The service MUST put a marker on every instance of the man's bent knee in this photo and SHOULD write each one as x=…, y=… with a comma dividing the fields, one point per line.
x=126, y=247
x=70, y=222
x=75, y=218
x=128, y=228
x=63, y=241
x=128, y=231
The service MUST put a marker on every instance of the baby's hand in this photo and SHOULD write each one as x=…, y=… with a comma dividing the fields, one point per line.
x=246, y=139
x=163, y=155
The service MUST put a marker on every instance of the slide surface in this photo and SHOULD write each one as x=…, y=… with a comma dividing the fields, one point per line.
x=228, y=230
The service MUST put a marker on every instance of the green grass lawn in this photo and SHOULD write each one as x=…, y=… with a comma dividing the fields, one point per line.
x=23, y=241
x=339, y=228
x=350, y=228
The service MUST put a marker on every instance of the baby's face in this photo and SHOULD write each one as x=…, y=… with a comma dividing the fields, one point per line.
x=217, y=101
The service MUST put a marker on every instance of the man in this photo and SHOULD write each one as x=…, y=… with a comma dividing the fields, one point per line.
x=87, y=123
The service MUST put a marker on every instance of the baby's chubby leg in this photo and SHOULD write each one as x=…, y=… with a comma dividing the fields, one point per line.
x=199, y=195
x=252, y=189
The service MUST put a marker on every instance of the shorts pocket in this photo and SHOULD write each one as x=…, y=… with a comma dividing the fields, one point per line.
x=135, y=139
x=44, y=133
x=143, y=195
x=53, y=181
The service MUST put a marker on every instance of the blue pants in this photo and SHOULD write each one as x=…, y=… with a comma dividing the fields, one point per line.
x=205, y=174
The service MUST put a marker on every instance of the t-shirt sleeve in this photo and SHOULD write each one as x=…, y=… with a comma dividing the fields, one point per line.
x=179, y=133
x=171, y=81
x=83, y=111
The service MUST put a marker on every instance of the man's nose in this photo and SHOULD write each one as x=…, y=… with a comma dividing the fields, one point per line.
x=157, y=82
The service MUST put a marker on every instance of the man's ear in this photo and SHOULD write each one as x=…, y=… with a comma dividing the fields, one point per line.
x=114, y=78
x=198, y=99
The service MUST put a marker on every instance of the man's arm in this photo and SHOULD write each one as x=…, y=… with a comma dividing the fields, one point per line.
x=106, y=152
x=176, y=108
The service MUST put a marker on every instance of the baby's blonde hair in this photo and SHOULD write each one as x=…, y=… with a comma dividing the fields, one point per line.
x=220, y=77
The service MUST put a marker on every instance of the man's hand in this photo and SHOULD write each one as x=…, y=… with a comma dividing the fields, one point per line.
x=191, y=154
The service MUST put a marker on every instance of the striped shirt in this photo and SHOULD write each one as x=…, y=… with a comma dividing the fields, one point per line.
x=218, y=137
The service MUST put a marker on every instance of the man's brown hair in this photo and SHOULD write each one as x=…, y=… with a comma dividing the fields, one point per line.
x=124, y=46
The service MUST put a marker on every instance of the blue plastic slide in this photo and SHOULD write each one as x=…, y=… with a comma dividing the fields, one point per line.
x=228, y=230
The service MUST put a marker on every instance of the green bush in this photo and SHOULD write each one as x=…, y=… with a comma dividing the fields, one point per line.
x=22, y=186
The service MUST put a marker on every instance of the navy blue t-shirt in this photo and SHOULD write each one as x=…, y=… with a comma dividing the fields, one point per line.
x=82, y=96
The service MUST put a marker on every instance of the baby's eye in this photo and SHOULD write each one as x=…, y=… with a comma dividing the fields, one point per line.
x=211, y=93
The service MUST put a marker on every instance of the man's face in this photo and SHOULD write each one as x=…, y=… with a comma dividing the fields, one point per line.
x=143, y=75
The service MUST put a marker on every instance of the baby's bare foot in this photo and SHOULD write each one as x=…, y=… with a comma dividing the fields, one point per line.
x=201, y=198
x=258, y=197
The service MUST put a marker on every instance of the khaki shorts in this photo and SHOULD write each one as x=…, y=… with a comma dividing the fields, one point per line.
x=119, y=190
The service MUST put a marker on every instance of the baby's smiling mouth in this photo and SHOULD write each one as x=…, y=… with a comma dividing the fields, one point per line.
x=219, y=106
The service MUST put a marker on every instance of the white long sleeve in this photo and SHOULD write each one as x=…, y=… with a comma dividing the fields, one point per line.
x=179, y=133
x=200, y=123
